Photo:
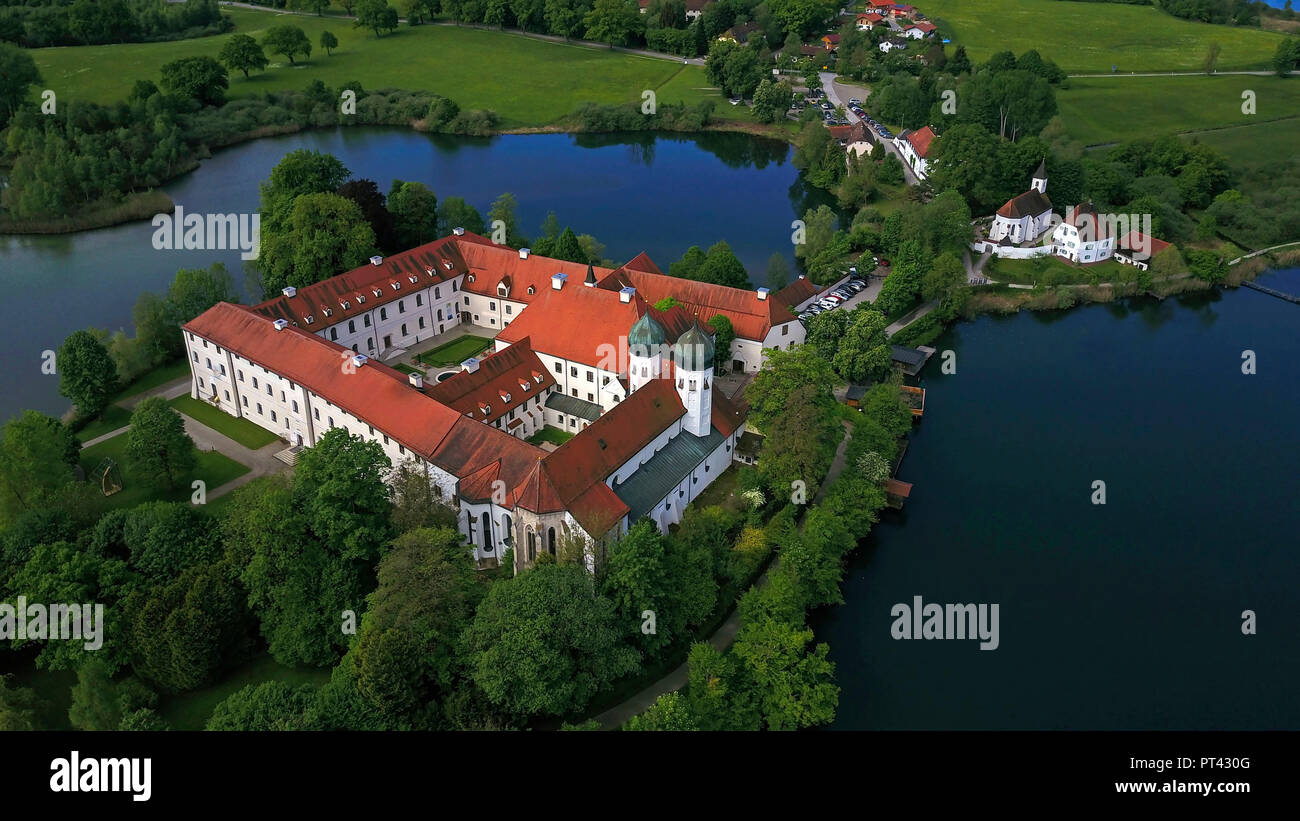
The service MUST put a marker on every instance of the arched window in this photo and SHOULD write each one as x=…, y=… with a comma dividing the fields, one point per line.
x=487, y=532
x=532, y=545
x=550, y=540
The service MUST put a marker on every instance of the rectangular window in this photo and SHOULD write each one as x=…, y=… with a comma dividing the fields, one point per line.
x=401, y=306
x=259, y=408
x=365, y=320
x=492, y=306
x=316, y=413
x=273, y=416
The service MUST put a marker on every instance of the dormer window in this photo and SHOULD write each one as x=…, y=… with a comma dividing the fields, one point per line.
x=397, y=286
x=378, y=292
x=471, y=277
x=413, y=279
x=310, y=319
x=502, y=290
x=532, y=289
x=345, y=304
x=505, y=397
x=361, y=299
x=329, y=312
x=446, y=264
x=537, y=378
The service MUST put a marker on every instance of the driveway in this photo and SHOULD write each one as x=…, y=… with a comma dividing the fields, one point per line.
x=832, y=96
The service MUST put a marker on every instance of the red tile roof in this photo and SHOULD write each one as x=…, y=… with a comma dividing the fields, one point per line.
x=578, y=468
x=870, y=17
x=372, y=392
x=480, y=454
x=1137, y=241
x=923, y=26
x=727, y=414
x=840, y=132
x=490, y=264
x=796, y=292
x=595, y=340
x=352, y=293
x=515, y=371
x=1032, y=203
x=751, y=317
x=920, y=141
x=1084, y=217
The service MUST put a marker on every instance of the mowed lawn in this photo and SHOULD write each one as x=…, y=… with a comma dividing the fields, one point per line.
x=1114, y=109
x=1091, y=37
x=213, y=468
x=456, y=351
x=528, y=82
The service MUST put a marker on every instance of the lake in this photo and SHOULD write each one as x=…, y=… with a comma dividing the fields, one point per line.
x=633, y=192
x=1125, y=615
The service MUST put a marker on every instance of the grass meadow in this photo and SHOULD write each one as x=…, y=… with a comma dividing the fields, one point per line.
x=1091, y=37
x=528, y=82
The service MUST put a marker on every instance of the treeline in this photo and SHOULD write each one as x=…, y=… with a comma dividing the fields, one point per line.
x=40, y=23
x=317, y=222
x=774, y=676
x=92, y=155
x=1227, y=12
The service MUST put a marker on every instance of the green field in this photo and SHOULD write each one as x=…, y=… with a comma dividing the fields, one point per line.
x=1100, y=110
x=212, y=467
x=1091, y=37
x=455, y=351
x=244, y=432
x=528, y=82
x=1251, y=146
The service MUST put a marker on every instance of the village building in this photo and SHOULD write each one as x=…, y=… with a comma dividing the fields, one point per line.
x=577, y=347
x=869, y=20
x=740, y=34
x=1138, y=249
x=914, y=148
x=1083, y=237
x=916, y=31
x=891, y=43
x=1025, y=217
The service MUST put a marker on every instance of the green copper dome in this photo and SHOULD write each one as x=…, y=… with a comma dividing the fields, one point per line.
x=646, y=336
x=694, y=350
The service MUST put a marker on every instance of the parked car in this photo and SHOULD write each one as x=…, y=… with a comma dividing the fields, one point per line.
x=734, y=101
x=826, y=107
x=854, y=101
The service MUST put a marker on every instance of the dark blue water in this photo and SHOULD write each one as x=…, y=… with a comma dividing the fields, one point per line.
x=1121, y=616
x=659, y=194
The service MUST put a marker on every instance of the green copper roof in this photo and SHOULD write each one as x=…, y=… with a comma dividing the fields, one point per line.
x=646, y=333
x=665, y=471
x=694, y=350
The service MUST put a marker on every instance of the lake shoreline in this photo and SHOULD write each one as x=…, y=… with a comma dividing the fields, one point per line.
x=144, y=205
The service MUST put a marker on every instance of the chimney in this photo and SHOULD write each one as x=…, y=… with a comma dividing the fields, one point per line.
x=626, y=294
x=458, y=231
x=416, y=381
x=360, y=359
x=469, y=365
x=762, y=293
x=281, y=324
x=557, y=280
x=290, y=291
x=375, y=260
x=524, y=252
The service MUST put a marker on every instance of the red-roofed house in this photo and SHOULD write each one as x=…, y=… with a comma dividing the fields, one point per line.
x=1138, y=249
x=1084, y=235
x=916, y=31
x=869, y=20
x=914, y=147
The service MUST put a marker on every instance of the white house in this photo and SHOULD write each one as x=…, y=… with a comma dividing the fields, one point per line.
x=890, y=43
x=916, y=31
x=914, y=148
x=1083, y=237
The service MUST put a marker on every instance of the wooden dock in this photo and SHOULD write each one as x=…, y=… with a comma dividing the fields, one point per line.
x=1264, y=289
